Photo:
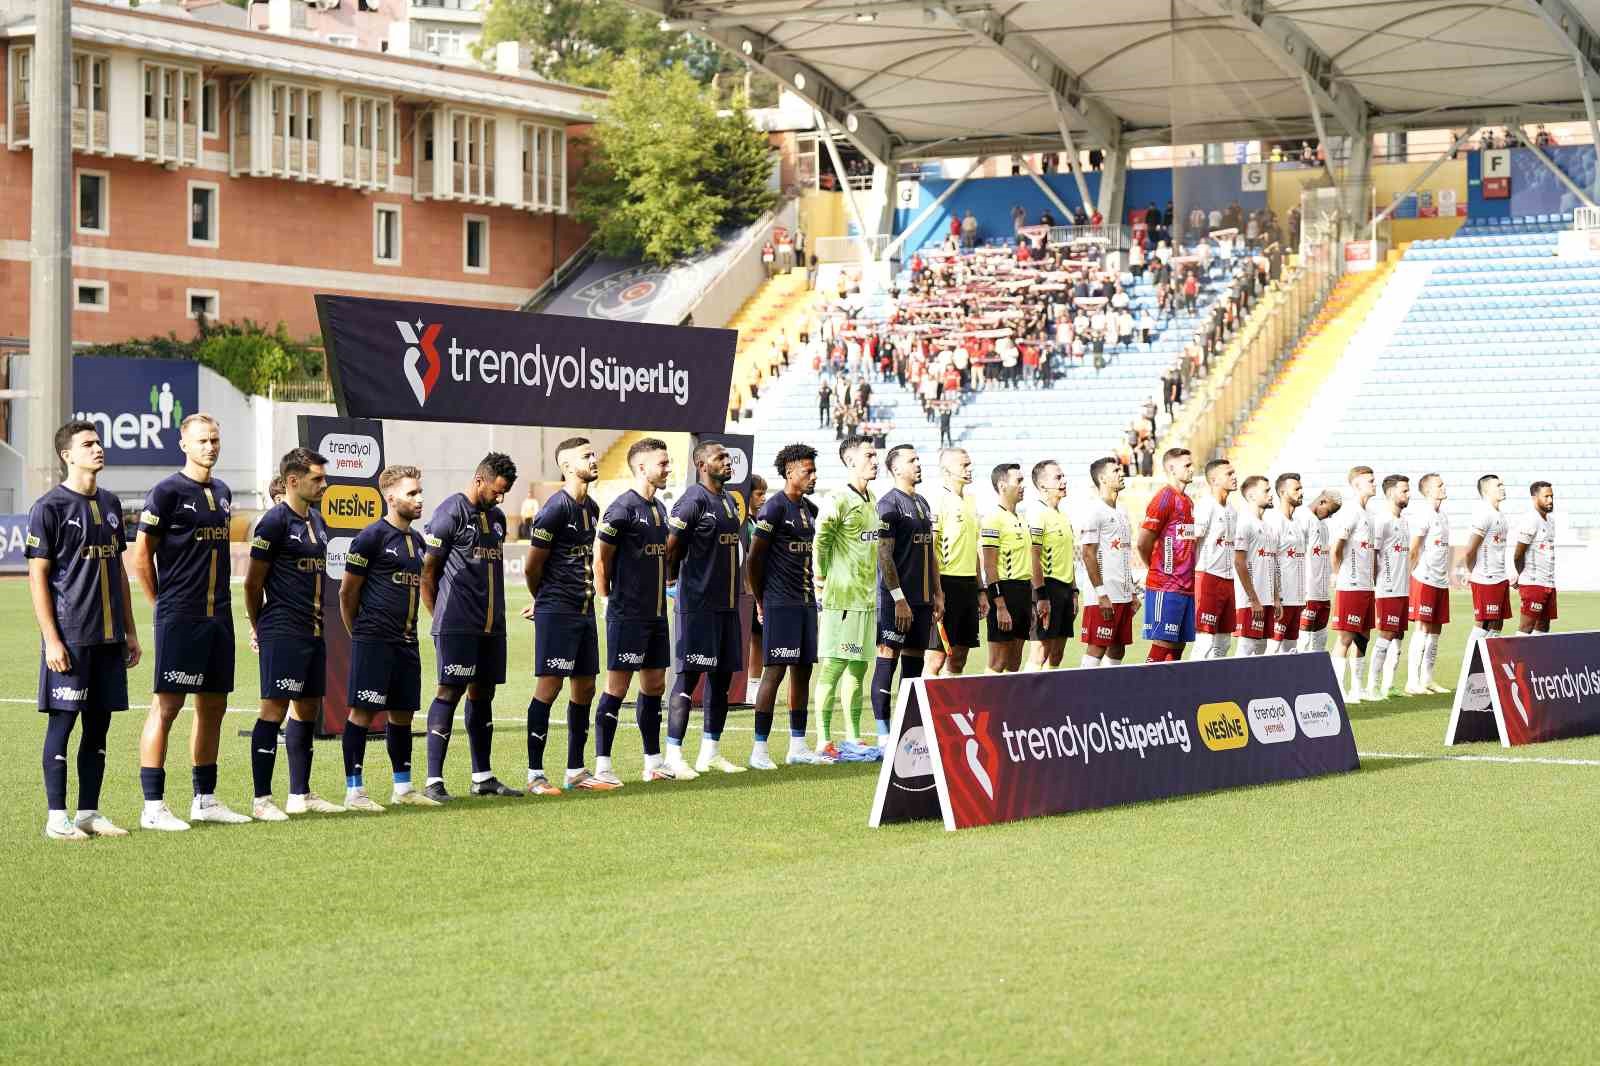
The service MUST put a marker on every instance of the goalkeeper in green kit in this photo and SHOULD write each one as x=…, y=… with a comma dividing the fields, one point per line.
x=847, y=570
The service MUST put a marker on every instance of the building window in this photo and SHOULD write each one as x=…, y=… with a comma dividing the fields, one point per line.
x=203, y=227
x=94, y=202
x=202, y=303
x=91, y=296
x=444, y=43
x=295, y=115
x=471, y=155
x=386, y=234
x=343, y=40
x=475, y=244
x=24, y=62
x=544, y=168
x=367, y=143
x=210, y=111
x=171, y=114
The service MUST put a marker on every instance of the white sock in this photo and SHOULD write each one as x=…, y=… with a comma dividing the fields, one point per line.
x=1358, y=670
x=1221, y=642
x=652, y=762
x=1202, y=646
x=402, y=788
x=1430, y=655
x=152, y=806
x=205, y=799
x=1419, y=640
x=797, y=744
x=1379, y=652
x=1090, y=662
x=57, y=820
x=602, y=764
x=1472, y=638
x=1319, y=639
x=1274, y=647
x=1391, y=664
x=708, y=749
x=574, y=772
x=85, y=816
x=759, y=748
x=440, y=780
x=1305, y=642
x=535, y=773
x=480, y=776
x=1109, y=661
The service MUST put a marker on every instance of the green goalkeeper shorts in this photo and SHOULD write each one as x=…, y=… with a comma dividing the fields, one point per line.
x=847, y=635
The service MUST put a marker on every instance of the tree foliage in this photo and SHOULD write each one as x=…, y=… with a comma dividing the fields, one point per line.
x=250, y=356
x=580, y=41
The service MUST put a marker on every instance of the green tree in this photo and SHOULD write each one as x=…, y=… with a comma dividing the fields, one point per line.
x=579, y=41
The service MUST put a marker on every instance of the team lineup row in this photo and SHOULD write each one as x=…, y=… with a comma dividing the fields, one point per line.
x=858, y=580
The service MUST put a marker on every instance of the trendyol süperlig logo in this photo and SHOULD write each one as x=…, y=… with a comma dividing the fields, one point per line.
x=979, y=750
x=420, y=341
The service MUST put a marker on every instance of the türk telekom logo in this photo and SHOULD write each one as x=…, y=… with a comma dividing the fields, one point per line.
x=421, y=347
x=982, y=759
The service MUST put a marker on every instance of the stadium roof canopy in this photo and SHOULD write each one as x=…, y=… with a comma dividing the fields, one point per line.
x=921, y=78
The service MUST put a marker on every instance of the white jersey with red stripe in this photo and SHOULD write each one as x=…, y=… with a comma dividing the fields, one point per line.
x=1214, y=525
x=1290, y=536
x=1490, y=524
x=1391, y=538
x=1354, y=527
x=1433, y=564
x=1108, y=529
x=1260, y=558
x=1539, y=564
x=1319, y=556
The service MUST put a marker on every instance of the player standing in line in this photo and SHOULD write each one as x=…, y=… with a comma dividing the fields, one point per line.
x=1053, y=564
x=846, y=549
x=283, y=599
x=1105, y=568
x=379, y=597
x=85, y=614
x=1355, y=568
x=1288, y=536
x=910, y=600
x=1534, y=559
x=464, y=588
x=1169, y=576
x=181, y=560
x=786, y=602
x=1255, y=569
x=560, y=575
x=955, y=525
x=1486, y=561
x=752, y=639
x=1004, y=554
x=631, y=573
x=1214, y=526
x=703, y=547
x=1430, y=588
x=1319, y=570
x=1391, y=539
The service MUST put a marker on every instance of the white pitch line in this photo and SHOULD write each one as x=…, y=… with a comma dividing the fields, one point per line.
x=1539, y=759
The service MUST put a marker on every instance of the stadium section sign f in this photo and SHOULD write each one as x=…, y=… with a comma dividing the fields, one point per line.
x=440, y=363
x=1523, y=690
x=996, y=748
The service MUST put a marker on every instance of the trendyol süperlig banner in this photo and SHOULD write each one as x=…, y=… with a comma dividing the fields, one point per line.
x=1523, y=690
x=995, y=748
x=441, y=363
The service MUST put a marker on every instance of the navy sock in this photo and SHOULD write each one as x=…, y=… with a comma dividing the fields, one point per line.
x=678, y=707
x=480, y=733
x=910, y=666
x=538, y=732
x=354, y=745
x=577, y=733
x=716, y=703
x=882, y=689
x=440, y=715
x=397, y=738
x=605, y=723
x=797, y=722
x=92, y=758
x=648, y=711
x=57, y=730
x=204, y=779
x=153, y=783
x=263, y=755
x=297, y=741
x=763, y=725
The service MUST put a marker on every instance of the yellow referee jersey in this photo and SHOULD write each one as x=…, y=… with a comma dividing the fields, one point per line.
x=1050, y=530
x=1008, y=535
x=955, y=526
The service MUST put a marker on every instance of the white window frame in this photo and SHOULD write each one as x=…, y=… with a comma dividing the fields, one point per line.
x=307, y=109
x=178, y=72
x=104, y=287
x=366, y=112
x=211, y=117
x=547, y=148
x=16, y=57
x=216, y=215
x=466, y=224
x=378, y=211
x=92, y=62
x=104, y=229
x=209, y=294
x=477, y=139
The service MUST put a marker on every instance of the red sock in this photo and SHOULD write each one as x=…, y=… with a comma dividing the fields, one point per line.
x=1160, y=654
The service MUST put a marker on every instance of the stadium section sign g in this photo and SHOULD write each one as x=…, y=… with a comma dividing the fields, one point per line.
x=440, y=363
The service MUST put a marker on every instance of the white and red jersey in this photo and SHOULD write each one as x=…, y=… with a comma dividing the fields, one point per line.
x=1214, y=525
x=1319, y=556
x=1433, y=564
x=1539, y=564
x=1290, y=536
x=1107, y=528
x=1391, y=538
x=1354, y=526
x=1260, y=549
x=1490, y=524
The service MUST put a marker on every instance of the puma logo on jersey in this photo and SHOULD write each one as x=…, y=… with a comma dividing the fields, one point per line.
x=190, y=507
x=295, y=537
x=391, y=551
x=74, y=522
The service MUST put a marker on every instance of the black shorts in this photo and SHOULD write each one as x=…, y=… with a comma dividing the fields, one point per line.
x=755, y=621
x=917, y=636
x=960, y=610
x=467, y=658
x=565, y=644
x=385, y=675
x=789, y=637
x=1019, y=601
x=708, y=642
x=638, y=644
x=1063, y=607
x=96, y=679
x=194, y=654
x=293, y=668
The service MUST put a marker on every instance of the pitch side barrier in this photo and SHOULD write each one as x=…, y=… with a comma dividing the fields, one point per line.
x=1527, y=689
x=979, y=750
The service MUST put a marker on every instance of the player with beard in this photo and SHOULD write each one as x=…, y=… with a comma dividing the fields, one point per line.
x=1319, y=570
x=1004, y=552
x=1429, y=605
x=910, y=599
x=1391, y=539
x=1486, y=561
x=1534, y=559
x=955, y=525
x=1355, y=569
x=1288, y=535
x=1169, y=577
x=846, y=549
x=1214, y=527
x=1255, y=567
x=1054, y=564
x=1105, y=570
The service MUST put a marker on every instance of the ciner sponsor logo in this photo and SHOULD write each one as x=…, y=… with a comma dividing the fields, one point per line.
x=1271, y=721
x=1221, y=726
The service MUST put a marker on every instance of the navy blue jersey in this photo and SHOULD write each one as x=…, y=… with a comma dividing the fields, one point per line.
x=788, y=526
x=390, y=561
x=81, y=537
x=708, y=522
x=295, y=550
x=566, y=528
x=637, y=528
x=908, y=519
x=472, y=587
x=188, y=520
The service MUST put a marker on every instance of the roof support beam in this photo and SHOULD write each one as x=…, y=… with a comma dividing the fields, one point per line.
x=1297, y=56
x=1565, y=22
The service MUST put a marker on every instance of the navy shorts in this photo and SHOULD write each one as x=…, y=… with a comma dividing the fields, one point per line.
x=960, y=610
x=293, y=668
x=467, y=658
x=755, y=622
x=708, y=642
x=1168, y=616
x=638, y=644
x=789, y=636
x=565, y=644
x=194, y=654
x=916, y=637
x=385, y=675
x=96, y=679
x=1063, y=610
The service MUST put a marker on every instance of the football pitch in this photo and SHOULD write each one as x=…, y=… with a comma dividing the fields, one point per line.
x=1425, y=909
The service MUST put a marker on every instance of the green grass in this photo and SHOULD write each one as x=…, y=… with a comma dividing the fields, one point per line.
x=1436, y=911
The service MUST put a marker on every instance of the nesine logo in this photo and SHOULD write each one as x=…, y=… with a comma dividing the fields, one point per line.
x=1221, y=726
x=421, y=382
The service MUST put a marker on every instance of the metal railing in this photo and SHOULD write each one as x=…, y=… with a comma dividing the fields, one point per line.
x=563, y=273
x=1115, y=237
x=848, y=249
x=303, y=390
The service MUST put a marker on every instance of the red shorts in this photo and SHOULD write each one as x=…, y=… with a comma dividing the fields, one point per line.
x=1213, y=604
x=1314, y=615
x=1286, y=623
x=1243, y=623
x=1429, y=604
x=1538, y=601
x=1491, y=603
x=1352, y=612
x=1103, y=633
x=1389, y=614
